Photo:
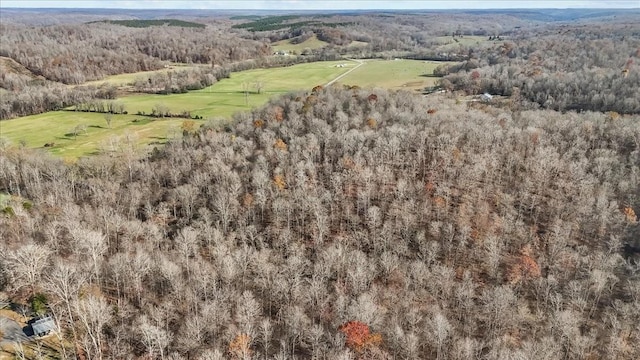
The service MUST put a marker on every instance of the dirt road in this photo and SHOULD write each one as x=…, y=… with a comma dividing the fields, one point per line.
x=360, y=63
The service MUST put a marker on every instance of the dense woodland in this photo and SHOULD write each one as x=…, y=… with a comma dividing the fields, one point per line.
x=348, y=223
x=563, y=68
x=451, y=232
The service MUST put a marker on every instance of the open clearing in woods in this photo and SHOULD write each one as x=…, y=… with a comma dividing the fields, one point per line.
x=72, y=134
x=286, y=45
x=393, y=74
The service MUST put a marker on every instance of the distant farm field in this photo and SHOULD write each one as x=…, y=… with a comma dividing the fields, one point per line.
x=228, y=96
x=286, y=45
x=393, y=74
x=451, y=43
x=72, y=134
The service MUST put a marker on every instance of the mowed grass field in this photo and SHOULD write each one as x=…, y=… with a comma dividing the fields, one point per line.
x=393, y=74
x=57, y=128
x=218, y=101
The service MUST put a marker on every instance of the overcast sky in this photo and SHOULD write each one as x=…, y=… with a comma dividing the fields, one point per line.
x=319, y=4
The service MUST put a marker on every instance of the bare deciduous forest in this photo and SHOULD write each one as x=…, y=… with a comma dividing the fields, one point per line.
x=340, y=222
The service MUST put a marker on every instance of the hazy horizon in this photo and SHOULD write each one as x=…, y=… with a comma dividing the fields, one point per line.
x=320, y=5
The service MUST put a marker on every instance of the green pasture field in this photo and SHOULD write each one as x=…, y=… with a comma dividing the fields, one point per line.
x=449, y=43
x=93, y=135
x=228, y=95
x=393, y=74
x=218, y=101
x=310, y=43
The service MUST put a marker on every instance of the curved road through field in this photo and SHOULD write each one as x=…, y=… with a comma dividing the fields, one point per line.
x=360, y=63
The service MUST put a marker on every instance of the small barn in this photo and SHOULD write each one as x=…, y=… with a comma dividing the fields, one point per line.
x=43, y=326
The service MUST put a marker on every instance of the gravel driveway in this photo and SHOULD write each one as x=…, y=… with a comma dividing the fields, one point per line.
x=12, y=331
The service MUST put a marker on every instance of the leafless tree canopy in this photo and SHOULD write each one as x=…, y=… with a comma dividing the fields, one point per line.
x=462, y=232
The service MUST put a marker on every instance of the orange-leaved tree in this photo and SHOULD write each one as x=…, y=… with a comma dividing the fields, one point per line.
x=280, y=145
x=359, y=337
x=630, y=215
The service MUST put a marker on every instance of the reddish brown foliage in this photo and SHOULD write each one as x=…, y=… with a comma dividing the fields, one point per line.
x=372, y=123
x=430, y=187
x=359, y=336
x=279, y=182
x=278, y=114
x=630, y=215
x=259, y=123
x=317, y=89
x=348, y=163
x=239, y=347
x=247, y=200
x=525, y=267
x=373, y=98
x=535, y=138
x=280, y=145
x=432, y=111
x=440, y=201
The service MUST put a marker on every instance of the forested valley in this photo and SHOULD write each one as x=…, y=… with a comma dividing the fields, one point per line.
x=342, y=222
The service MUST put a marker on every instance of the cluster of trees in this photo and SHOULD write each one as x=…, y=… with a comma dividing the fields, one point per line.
x=563, y=68
x=333, y=36
x=73, y=54
x=340, y=224
x=76, y=53
x=102, y=106
x=180, y=81
x=48, y=96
